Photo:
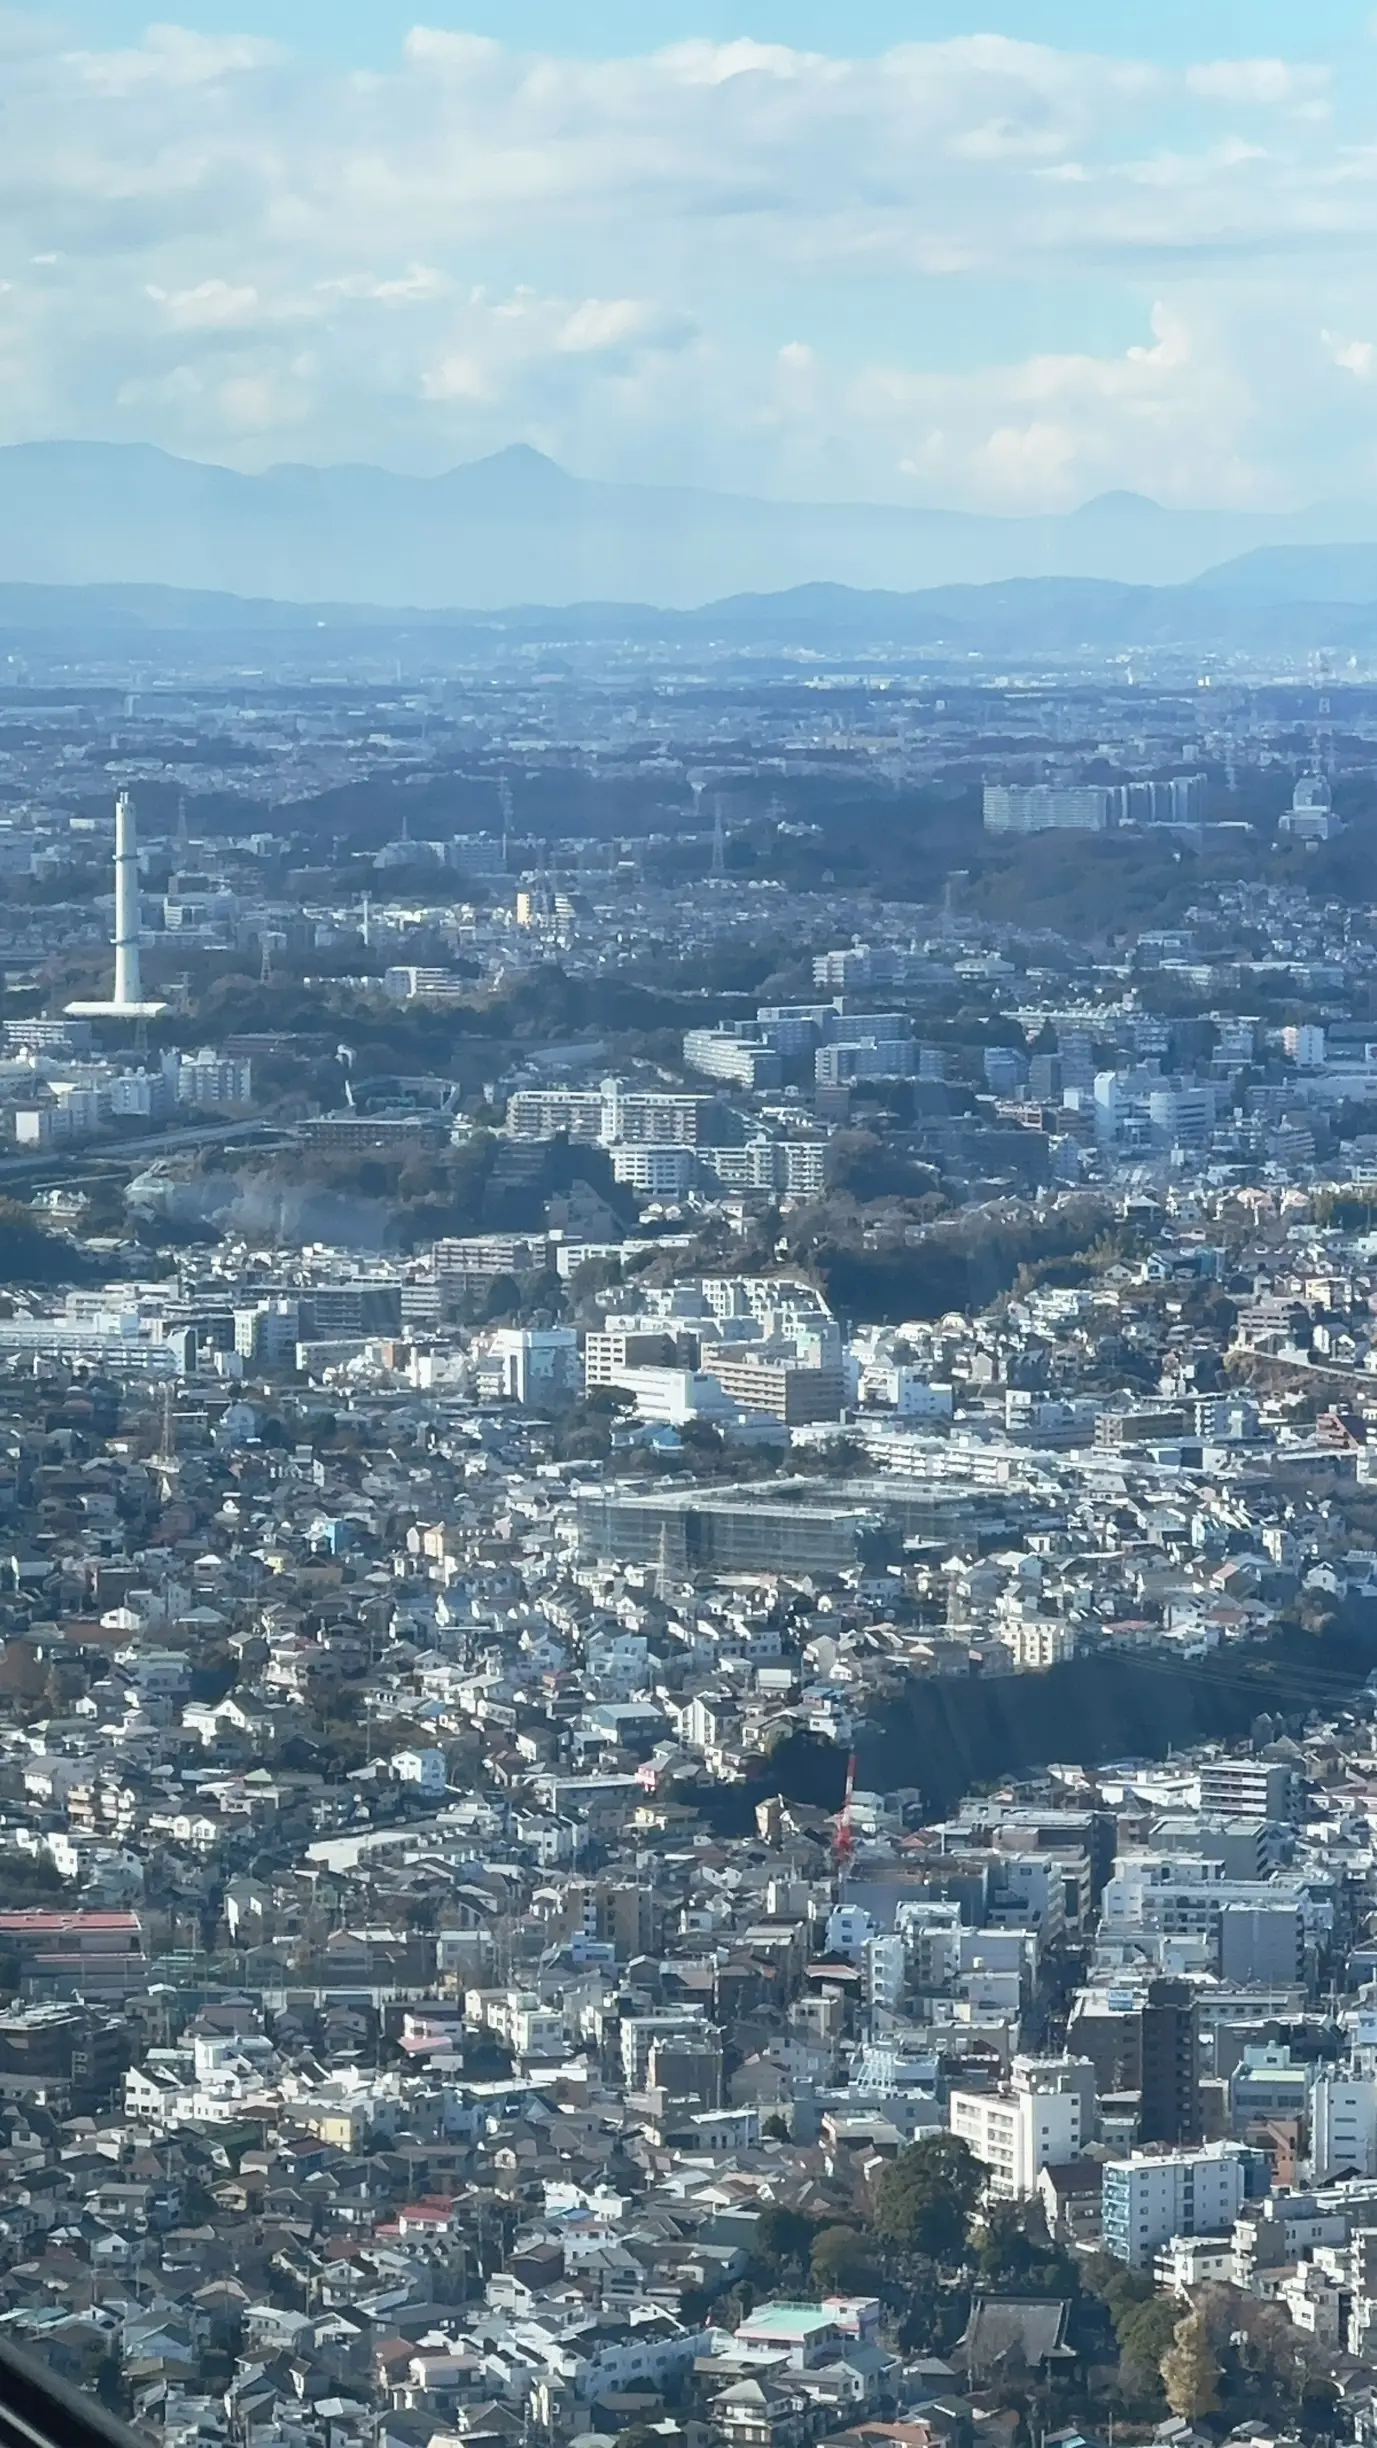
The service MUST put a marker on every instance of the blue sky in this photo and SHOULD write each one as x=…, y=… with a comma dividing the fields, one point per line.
x=873, y=252
x=371, y=29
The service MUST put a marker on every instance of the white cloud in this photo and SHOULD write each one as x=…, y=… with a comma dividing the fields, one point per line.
x=172, y=57
x=707, y=63
x=1264, y=83
x=456, y=377
x=1168, y=413
x=602, y=323
x=269, y=401
x=428, y=47
x=419, y=285
x=213, y=305
x=1357, y=357
x=639, y=261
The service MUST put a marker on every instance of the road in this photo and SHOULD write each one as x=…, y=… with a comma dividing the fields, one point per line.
x=55, y=1164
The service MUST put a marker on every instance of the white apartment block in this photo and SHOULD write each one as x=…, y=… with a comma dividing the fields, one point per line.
x=1015, y=2133
x=1039, y=1641
x=1152, y=2196
x=1343, y=2127
x=1046, y=807
x=612, y=1115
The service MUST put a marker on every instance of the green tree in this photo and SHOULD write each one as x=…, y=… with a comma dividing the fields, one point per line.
x=1121, y=2290
x=1145, y=2332
x=1015, y=2252
x=783, y=2237
x=842, y=2262
x=925, y=2197
x=28, y=1879
x=28, y=1254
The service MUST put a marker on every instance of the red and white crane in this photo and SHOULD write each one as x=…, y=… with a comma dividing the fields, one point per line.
x=844, y=1842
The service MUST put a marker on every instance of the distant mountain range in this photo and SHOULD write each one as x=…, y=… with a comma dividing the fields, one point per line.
x=102, y=538
x=1260, y=604
x=517, y=529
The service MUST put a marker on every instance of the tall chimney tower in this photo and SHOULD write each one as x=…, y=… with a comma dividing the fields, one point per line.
x=127, y=1001
x=128, y=982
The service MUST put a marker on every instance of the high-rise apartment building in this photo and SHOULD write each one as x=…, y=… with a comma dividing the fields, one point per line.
x=1170, y=2109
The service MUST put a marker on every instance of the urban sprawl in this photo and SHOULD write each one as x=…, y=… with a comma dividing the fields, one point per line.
x=688, y=1547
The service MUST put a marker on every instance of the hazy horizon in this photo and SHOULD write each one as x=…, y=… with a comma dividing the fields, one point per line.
x=1127, y=496
x=793, y=253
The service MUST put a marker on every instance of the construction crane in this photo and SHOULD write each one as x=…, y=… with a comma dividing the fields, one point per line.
x=844, y=1842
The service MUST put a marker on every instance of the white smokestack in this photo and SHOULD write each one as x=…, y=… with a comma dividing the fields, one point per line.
x=128, y=996
x=128, y=982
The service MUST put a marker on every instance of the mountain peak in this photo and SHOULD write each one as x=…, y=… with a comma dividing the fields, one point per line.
x=1120, y=505
x=519, y=469
x=519, y=454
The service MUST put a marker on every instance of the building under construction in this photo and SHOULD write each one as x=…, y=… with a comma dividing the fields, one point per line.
x=702, y=1530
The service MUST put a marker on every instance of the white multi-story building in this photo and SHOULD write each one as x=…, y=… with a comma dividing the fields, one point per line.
x=208, y=1078
x=742, y=1061
x=639, y=2033
x=1182, y=1115
x=1249, y=1789
x=1152, y=2196
x=1039, y=1641
x=424, y=1768
x=533, y=1364
x=907, y=1391
x=406, y=981
x=803, y=1164
x=141, y=1096
x=1038, y=2121
x=652, y=1117
x=862, y=1058
x=884, y=1972
x=548, y=1113
x=1047, y=807
x=612, y=1115
x=1032, y=1894
x=1304, y=1045
x=1362, y=2290
x=1343, y=2127
x=267, y=1331
x=796, y=1166
x=657, y=1172
x=666, y=1397
x=1257, y=1930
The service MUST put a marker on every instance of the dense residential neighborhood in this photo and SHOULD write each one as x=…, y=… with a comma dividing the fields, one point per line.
x=688, y=1595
